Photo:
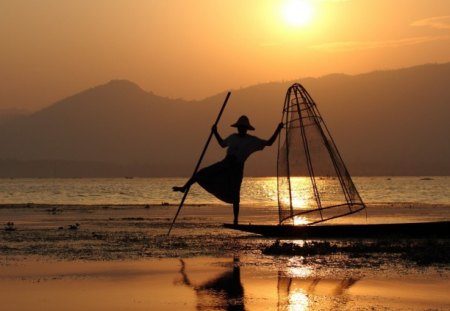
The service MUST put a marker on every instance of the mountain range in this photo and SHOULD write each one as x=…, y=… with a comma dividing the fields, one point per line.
x=392, y=122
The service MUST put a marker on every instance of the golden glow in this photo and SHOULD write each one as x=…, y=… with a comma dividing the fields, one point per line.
x=302, y=196
x=298, y=300
x=299, y=272
x=297, y=12
x=300, y=220
x=299, y=202
x=205, y=47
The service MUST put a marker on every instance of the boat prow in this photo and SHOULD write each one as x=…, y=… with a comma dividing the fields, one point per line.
x=437, y=229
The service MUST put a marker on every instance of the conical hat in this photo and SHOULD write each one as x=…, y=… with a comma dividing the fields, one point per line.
x=243, y=122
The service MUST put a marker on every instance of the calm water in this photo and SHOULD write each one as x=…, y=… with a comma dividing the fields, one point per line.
x=255, y=191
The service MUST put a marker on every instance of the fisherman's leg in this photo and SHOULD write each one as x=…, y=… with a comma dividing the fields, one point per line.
x=236, y=212
x=187, y=185
x=204, y=173
x=237, y=193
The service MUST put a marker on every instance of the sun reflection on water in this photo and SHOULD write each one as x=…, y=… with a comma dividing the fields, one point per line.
x=298, y=300
x=300, y=193
x=300, y=220
x=299, y=272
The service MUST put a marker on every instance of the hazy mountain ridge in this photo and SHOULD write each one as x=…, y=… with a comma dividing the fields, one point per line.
x=391, y=122
x=12, y=115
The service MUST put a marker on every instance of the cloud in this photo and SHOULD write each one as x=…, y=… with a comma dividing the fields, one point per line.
x=437, y=22
x=348, y=46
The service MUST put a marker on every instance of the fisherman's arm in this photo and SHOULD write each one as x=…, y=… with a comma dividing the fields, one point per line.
x=275, y=135
x=218, y=137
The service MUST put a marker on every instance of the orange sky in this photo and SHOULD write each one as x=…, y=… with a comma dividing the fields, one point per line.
x=193, y=49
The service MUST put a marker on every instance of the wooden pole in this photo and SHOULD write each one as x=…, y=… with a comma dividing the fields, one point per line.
x=199, y=161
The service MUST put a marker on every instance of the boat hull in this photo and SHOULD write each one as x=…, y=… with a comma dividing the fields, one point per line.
x=440, y=229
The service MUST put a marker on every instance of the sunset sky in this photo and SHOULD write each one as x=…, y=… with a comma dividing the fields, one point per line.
x=193, y=49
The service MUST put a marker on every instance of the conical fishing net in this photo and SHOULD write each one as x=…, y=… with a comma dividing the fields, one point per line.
x=313, y=182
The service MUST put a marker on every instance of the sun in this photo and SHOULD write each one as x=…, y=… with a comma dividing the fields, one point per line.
x=297, y=13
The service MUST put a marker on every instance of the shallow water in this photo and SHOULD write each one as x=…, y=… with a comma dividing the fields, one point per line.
x=119, y=257
x=212, y=283
x=105, y=232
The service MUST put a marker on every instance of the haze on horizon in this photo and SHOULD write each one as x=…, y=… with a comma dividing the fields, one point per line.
x=194, y=49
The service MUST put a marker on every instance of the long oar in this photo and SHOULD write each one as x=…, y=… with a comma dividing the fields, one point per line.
x=199, y=161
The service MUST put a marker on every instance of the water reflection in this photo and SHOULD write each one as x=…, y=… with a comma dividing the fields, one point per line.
x=224, y=292
x=300, y=294
x=301, y=197
x=293, y=289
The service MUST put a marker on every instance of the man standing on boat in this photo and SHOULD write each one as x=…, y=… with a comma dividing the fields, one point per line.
x=223, y=179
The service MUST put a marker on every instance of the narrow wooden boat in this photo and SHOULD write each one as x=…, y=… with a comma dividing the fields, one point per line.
x=438, y=229
x=315, y=187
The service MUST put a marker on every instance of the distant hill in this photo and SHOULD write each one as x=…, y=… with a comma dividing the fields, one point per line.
x=392, y=122
x=11, y=115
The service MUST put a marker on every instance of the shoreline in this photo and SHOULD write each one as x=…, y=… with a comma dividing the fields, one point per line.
x=107, y=232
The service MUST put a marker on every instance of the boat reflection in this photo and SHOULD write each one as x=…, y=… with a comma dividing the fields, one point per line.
x=293, y=289
x=224, y=292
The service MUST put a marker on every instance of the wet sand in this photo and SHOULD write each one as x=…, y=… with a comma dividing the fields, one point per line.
x=119, y=258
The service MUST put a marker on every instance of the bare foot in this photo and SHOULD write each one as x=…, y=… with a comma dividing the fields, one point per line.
x=179, y=189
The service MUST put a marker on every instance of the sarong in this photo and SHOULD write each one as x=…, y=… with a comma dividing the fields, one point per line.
x=223, y=179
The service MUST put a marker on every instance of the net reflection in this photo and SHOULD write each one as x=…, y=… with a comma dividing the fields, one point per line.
x=300, y=294
x=224, y=292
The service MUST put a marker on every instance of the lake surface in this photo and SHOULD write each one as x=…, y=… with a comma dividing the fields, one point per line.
x=255, y=191
x=103, y=244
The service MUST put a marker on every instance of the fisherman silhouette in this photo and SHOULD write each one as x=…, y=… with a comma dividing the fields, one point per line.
x=223, y=179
